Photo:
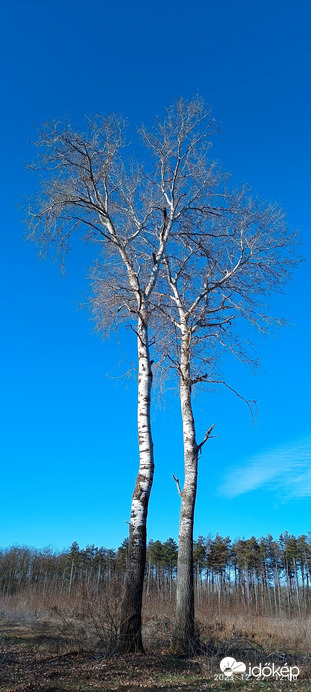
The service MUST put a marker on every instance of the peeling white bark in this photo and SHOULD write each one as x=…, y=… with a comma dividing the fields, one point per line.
x=184, y=619
x=130, y=630
x=146, y=463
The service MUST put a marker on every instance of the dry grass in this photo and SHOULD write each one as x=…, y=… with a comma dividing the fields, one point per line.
x=271, y=633
x=91, y=619
x=55, y=642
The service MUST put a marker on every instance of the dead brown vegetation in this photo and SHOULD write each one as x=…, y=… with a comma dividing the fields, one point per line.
x=87, y=619
x=53, y=642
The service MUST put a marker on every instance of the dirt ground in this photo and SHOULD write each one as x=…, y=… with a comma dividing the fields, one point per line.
x=37, y=660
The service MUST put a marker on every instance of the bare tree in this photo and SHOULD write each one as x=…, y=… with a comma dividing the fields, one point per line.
x=219, y=267
x=93, y=187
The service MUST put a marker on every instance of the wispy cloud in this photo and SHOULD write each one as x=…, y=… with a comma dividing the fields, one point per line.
x=286, y=468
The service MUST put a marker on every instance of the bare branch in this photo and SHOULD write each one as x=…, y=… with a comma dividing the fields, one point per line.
x=205, y=438
x=250, y=403
x=178, y=486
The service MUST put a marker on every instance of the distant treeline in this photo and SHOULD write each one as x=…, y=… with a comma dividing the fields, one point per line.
x=249, y=565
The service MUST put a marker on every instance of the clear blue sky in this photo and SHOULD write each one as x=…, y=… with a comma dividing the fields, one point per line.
x=68, y=443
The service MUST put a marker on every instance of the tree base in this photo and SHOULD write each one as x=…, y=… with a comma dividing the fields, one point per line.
x=130, y=642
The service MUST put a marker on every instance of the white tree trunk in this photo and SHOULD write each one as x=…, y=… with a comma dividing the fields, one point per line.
x=184, y=619
x=130, y=629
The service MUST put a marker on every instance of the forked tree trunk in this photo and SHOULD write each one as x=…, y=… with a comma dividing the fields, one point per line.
x=184, y=634
x=130, y=628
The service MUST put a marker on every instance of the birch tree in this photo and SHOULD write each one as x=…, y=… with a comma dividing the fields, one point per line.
x=219, y=267
x=93, y=186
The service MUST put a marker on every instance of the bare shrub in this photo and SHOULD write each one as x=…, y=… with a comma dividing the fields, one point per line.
x=90, y=617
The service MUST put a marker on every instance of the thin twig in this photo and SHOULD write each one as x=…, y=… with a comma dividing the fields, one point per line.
x=205, y=438
x=178, y=486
